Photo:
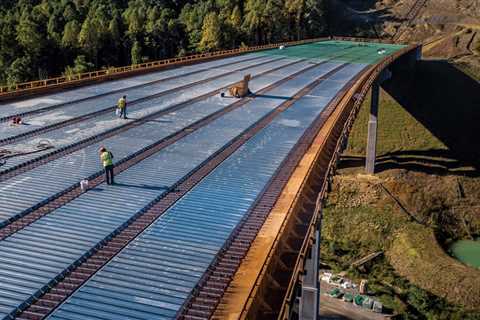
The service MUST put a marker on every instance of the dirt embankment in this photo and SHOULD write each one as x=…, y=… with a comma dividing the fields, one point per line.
x=404, y=222
x=416, y=255
x=427, y=158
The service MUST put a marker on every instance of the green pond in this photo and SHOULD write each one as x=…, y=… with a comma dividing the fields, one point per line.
x=467, y=251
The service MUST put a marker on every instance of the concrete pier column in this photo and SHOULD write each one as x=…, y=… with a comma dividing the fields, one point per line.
x=372, y=130
x=310, y=299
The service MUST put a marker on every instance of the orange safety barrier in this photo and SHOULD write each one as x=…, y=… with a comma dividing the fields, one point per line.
x=107, y=74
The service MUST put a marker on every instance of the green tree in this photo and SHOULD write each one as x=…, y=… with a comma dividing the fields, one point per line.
x=19, y=71
x=53, y=34
x=135, y=16
x=29, y=35
x=81, y=65
x=136, y=53
x=55, y=27
x=295, y=10
x=9, y=47
x=235, y=19
x=114, y=27
x=315, y=18
x=275, y=22
x=211, y=33
x=89, y=38
x=192, y=17
x=254, y=19
x=232, y=27
x=71, y=34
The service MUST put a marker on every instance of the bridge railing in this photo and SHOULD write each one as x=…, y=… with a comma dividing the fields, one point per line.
x=118, y=72
x=346, y=126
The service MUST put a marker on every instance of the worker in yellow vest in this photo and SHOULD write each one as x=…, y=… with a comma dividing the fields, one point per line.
x=107, y=160
x=122, y=106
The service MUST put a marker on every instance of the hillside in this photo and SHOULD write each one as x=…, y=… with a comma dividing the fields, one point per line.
x=425, y=194
x=438, y=193
x=449, y=29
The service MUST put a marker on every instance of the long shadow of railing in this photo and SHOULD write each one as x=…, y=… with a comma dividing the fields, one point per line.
x=446, y=102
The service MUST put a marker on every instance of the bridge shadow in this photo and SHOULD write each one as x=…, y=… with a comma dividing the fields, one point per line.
x=144, y=186
x=358, y=18
x=268, y=96
x=433, y=161
x=446, y=102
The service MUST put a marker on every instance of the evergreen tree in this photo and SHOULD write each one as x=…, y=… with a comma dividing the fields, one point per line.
x=71, y=35
x=275, y=22
x=315, y=18
x=254, y=19
x=29, y=35
x=89, y=38
x=211, y=33
x=40, y=38
x=136, y=53
x=81, y=65
x=19, y=71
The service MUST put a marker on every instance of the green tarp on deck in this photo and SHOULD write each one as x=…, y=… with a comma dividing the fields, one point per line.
x=342, y=51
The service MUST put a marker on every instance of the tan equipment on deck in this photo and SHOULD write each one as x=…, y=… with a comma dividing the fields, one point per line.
x=240, y=89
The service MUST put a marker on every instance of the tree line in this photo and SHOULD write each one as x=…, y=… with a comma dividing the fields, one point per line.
x=45, y=38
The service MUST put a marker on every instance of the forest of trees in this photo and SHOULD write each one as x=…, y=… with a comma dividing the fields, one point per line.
x=45, y=38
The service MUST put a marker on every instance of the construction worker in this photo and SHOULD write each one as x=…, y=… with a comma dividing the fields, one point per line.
x=122, y=106
x=107, y=160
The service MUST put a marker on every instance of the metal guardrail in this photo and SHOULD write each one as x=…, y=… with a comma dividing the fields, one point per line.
x=21, y=88
x=360, y=95
x=347, y=126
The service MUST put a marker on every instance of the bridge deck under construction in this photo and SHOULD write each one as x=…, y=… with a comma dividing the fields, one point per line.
x=197, y=175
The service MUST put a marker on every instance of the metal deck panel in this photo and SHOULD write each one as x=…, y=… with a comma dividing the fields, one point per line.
x=201, y=144
x=47, y=180
x=75, y=132
x=12, y=108
x=91, y=127
x=255, y=162
x=84, y=107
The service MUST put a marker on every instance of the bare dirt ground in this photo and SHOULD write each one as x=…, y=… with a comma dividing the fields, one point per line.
x=449, y=29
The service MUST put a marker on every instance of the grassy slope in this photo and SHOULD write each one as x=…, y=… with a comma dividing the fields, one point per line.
x=360, y=218
x=398, y=130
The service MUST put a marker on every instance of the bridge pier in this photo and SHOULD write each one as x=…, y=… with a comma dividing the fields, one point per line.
x=310, y=298
x=372, y=130
x=373, y=122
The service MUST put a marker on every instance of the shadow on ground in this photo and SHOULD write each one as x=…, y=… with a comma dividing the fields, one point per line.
x=446, y=102
x=357, y=18
x=434, y=161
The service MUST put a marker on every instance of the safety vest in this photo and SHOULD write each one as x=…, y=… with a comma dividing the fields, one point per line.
x=107, y=158
x=122, y=103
